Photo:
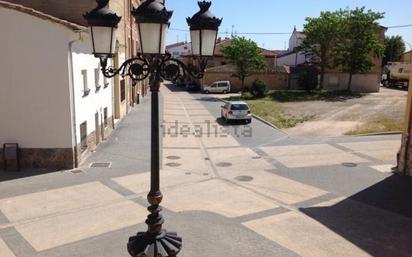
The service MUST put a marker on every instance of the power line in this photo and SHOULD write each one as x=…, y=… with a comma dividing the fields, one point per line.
x=242, y=33
x=280, y=33
x=263, y=33
x=399, y=26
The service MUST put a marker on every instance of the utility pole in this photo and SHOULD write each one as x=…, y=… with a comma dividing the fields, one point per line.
x=405, y=153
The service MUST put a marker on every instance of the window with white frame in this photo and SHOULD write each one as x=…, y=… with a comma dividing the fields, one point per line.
x=86, y=89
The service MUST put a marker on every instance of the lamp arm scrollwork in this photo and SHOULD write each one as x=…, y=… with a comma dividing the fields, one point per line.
x=136, y=68
x=139, y=68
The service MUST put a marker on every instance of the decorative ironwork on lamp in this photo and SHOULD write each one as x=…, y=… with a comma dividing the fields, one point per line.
x=154, y=62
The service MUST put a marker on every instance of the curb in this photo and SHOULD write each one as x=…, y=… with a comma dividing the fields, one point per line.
x=267, y=123
x=222, y=100
x=378, y=134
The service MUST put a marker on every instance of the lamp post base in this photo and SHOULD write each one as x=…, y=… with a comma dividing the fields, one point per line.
x=145, y=244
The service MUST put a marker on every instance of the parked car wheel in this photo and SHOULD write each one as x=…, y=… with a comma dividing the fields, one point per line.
x=224, y=92
x=206, y=91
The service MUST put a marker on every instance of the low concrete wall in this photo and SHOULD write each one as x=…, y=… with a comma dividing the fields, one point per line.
x=364, y=83
x=272, y=80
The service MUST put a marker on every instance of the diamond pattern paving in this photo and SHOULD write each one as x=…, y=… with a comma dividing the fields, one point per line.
x=274, y=186
x=57, y=201
x=296, y=156
x=380, y=150
x=215, y=196
x=4, y=250
x=191, y=160
x=62, y=229
x=240, y=158
x=304, y=236
x=56, y=217
x=140, y=183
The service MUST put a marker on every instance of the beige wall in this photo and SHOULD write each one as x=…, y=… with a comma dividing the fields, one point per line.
x=272, y=80
x=34, y=91
x=73, y=11
x=365, y=83
x=407, y=57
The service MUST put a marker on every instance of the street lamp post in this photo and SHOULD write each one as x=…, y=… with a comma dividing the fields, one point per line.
x=154, y=63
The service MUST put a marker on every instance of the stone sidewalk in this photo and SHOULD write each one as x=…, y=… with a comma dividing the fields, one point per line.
x=286, y=198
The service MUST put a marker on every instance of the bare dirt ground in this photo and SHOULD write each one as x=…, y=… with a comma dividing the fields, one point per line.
x=334, y=118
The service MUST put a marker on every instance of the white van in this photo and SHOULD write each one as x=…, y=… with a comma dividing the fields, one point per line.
x=217, y=87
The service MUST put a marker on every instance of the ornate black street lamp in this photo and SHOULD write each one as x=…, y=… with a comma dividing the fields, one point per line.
x=152, y=19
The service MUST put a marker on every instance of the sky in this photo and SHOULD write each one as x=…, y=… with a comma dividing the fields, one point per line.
x=281, y=17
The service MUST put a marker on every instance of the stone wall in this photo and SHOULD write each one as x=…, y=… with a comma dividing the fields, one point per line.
x=56, y=158
x=273, y=80
x=36, y=158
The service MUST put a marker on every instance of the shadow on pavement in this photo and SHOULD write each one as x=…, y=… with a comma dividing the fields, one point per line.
x=12, y=175
x=377, y=219
x=173, y=87
x=397, y=88
x=207, y=99
x=224, y=123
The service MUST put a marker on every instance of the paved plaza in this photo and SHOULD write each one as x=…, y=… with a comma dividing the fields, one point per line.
x=229, y=190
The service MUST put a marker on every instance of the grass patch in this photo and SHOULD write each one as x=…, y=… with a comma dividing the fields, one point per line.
x=321, y=95
x=378, y=125
x=273, y=113
x=300, y=96
x=269, y=107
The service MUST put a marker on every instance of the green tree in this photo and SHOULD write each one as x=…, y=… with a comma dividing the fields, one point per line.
x=359, y=41
x=320, y=41
x=394, y=47
x=308, y=77
x=246, y=56
x=258, y=89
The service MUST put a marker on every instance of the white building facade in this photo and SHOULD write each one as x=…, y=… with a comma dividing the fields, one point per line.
x=292, y=58
x=179, y=49
x=333, y=79
x=54, y=102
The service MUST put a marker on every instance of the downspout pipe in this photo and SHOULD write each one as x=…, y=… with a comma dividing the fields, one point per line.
x=72, y=97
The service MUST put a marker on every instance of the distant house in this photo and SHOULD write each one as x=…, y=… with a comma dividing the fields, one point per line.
x=179, y=49
x=54, y=101
x=334, y=79
x=292, y=57
x=219, y=68
x=218, y=58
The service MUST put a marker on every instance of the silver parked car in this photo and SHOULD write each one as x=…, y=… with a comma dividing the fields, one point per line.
x=217, y=87
x=237, y=110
